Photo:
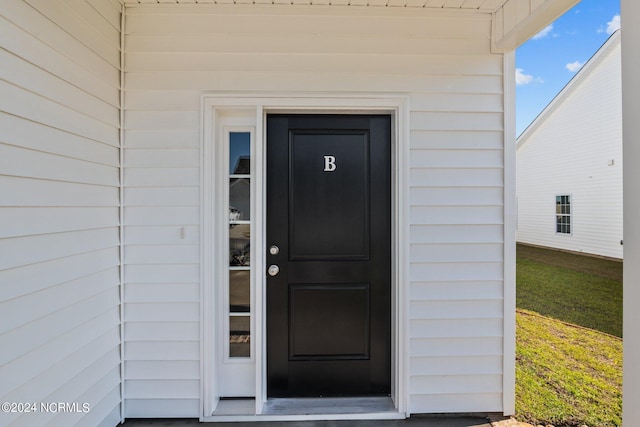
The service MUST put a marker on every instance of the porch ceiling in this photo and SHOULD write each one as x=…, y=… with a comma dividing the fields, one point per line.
x=484, y=6
x=513, y=21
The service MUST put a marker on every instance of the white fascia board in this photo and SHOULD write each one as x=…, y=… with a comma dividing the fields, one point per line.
x=531, y=25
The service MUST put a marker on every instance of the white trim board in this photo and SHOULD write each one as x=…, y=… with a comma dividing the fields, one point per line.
x=509, y=240
x=257, y=106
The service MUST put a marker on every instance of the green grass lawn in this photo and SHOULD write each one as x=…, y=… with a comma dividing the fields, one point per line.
x=582, y=290
x=569, y=356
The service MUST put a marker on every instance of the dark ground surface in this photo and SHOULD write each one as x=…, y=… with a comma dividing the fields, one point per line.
x=417, y=421
x=607, y=268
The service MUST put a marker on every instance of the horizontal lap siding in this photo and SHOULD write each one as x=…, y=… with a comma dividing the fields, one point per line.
x=455, y=189
x=59, y=209
x=162, y=220
x=456, y=214
x=456, y=290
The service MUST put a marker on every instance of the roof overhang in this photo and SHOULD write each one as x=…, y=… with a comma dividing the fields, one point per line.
x=514, y=21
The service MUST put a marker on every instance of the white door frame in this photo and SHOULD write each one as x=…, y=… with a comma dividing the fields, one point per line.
x=254, y=108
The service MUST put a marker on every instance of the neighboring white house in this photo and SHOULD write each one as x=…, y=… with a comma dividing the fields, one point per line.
x=569, y=163
x=130, y=286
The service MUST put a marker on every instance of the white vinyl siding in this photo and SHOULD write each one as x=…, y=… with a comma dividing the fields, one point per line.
x=162, y=293
x=174, y=54
x=575, y=148
x=59, y=209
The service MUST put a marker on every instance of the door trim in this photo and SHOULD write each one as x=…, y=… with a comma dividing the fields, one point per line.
x=254, y=108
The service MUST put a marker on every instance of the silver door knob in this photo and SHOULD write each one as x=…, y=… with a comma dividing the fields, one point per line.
x=274, y=250
x=273, y=270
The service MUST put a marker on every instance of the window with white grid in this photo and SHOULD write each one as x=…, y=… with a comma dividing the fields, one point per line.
x=563, y=214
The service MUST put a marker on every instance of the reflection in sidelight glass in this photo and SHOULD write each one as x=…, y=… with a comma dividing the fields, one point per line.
x=239, y=153
x=239, y=336
x=239, y=199
x=239, y=245
x=239, y=291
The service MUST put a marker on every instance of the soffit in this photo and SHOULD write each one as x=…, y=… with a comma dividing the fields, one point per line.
x=483, y=6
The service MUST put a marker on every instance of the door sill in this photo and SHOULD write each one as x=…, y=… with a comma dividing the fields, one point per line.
x=309, y=409
x=328, y=405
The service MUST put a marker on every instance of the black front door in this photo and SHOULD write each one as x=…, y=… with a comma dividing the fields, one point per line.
x=329, y=234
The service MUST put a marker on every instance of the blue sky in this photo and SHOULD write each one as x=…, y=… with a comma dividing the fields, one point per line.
x=546, y=63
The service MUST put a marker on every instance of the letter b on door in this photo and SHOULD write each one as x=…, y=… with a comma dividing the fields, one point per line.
x=329, y=163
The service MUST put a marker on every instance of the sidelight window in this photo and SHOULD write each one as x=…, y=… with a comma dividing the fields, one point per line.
x=239, y=263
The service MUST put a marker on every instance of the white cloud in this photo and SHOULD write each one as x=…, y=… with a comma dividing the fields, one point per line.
x=544, y=33
x=613, y=25
x=522, y=78
x=525, y=79
x=574, y=66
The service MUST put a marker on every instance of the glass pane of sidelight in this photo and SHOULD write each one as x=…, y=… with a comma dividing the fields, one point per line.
x=239, y=199
x=239, y=291
x=239, y=153
x=239, y=244
x=239, y=336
